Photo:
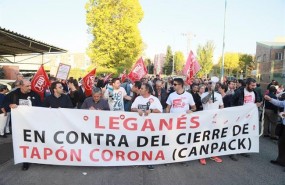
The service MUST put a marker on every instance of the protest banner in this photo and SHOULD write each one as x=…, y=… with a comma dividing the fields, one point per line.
x=104, y=138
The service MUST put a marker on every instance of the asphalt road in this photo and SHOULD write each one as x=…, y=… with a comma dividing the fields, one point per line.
x=256, y=170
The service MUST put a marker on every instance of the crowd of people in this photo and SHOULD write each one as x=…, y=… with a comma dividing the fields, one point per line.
x=149, y=95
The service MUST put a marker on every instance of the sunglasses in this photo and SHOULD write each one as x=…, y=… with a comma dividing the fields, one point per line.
x=210, y=83
x=176, y=84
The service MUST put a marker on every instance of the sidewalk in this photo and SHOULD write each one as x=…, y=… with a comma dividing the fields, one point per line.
x=6, y=149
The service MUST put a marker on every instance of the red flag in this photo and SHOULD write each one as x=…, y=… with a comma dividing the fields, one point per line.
x=124, y=76
x=139, y=70
x=40, y=82
x=107, y=77
x=88, y=82
x=191, y=68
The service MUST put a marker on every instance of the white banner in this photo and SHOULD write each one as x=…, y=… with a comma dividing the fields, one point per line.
x=104, y=138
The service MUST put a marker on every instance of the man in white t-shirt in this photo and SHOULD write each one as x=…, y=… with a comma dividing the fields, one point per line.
x=180, y=101
x=116, y=96
x=210, y=101
x=146, y=104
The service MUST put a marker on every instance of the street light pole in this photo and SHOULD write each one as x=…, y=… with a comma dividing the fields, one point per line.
x=223, y=52
x=188, y=36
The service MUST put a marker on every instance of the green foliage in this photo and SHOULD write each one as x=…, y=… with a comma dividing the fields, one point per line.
x=205, y=58
x=77, y=73
x=179, y=61
x=246, y=63
x=117, y=43
x=231, y=63
x=167, y=68
x=216, y=70
x=103, y=70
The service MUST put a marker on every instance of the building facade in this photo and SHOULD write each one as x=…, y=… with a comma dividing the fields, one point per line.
x=270, y=62
x=30, y=63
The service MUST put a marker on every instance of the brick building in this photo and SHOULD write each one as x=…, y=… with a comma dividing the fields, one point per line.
x=270, y=62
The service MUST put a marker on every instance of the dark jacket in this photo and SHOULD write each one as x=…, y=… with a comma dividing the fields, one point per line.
x=197, y=100
x=227, y=100
x=238, y=97
x=269, y=105
x=63, y=101
x=14, y=97
x=163, y=97
x=81, y=97
x=74, y=97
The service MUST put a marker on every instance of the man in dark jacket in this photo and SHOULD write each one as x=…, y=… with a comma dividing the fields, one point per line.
x=58, y=99
x=196, y=97
x=22, y=96
x=160, y=93
x=270, y=115
x=245, y=95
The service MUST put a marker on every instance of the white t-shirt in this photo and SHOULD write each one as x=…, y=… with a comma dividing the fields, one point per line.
x=249, y=97
x=151, y=102
x=210, y=105
x=180, y=102
x=115, y=98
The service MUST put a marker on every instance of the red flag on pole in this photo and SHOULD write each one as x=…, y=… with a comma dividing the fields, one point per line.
x=139, y=70
x=40, y=82
x=88, y=82
x=191, y=68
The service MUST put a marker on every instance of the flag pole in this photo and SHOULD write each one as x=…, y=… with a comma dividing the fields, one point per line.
x=223, y=51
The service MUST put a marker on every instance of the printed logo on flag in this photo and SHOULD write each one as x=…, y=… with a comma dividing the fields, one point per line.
x=40, y=83
x=138, y=71
x=90, y=82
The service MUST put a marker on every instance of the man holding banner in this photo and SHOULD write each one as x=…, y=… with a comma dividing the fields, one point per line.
x=244, y=96
x=23, y=96
x=58, y=99
x=145, y=104
x=96, y=102
x=210, y=101
x=180, y=101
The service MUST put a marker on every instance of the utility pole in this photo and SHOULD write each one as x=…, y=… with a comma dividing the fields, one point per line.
x=223, y=52
x=189, y=36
